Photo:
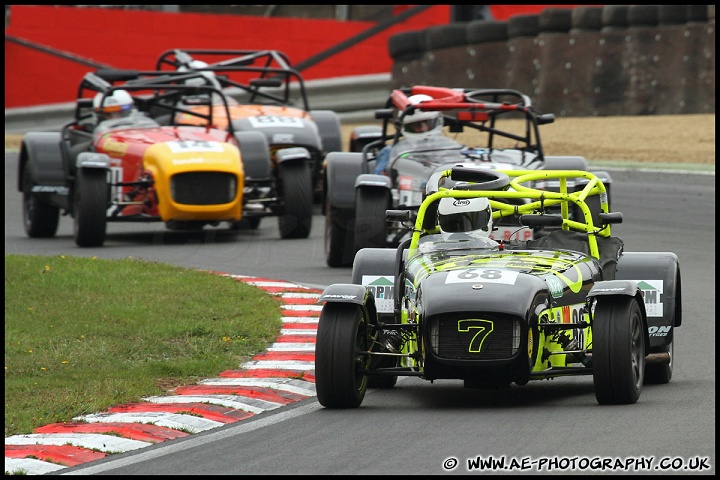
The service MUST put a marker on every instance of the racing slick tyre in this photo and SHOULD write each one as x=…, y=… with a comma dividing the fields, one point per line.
x=39, y=218
x=339, y=236
x=295, y=219
x=660, y=373
x=370, y=223
x=618, y=350
x=90, y=205
x=342, y=332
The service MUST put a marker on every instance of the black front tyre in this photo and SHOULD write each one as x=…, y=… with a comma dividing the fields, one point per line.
x=91, y=198
x=296, y=191
x=370, y=223
x=39, y=218
x=618, y=358
x=342, y=333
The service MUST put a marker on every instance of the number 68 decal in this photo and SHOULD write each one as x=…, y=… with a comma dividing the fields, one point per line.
x=484, y=275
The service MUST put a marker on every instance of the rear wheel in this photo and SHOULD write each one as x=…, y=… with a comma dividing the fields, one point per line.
x=370, y=223
x=341, y=337
x=618, y=351
x=90, y=206
x=39, y=218
x=295, y=219
x=660, y=373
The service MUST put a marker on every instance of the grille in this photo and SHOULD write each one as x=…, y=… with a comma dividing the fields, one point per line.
x=475, y=337
x=203, y=188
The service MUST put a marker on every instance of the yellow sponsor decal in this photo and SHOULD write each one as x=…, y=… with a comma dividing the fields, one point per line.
x=111, y=147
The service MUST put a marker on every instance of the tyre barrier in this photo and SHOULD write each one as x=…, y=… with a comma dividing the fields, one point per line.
x=586, y=61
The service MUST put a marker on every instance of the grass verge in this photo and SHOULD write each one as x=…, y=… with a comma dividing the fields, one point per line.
x=84, y=334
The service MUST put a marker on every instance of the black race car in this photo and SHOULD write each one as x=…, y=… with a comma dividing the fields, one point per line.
x=448, y=303
x=501, y=133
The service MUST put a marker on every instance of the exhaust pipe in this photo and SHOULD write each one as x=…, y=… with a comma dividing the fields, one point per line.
x=654, y=358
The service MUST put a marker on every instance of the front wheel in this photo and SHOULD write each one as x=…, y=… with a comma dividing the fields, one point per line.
x=342, y=336
x=296, y=191
x=90, y=206
x=39, y=218
x=618, y=351
x=370, y=223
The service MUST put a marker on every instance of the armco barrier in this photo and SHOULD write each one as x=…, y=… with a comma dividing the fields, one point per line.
x=354, y=98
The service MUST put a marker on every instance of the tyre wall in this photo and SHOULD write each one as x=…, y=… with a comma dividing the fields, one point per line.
x=586, y=61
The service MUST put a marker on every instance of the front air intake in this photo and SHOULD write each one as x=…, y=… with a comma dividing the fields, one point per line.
x=473, y=336
x=203, y=188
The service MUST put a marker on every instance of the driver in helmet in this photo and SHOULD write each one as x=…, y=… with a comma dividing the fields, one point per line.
x=117, y=109
x=419, y=124
x=118, y=104
x=464, y=223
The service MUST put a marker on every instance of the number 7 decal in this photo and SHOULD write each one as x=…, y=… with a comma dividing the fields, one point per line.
x=483, y=329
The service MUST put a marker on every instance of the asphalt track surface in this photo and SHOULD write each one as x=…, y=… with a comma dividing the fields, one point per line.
x=247, y=420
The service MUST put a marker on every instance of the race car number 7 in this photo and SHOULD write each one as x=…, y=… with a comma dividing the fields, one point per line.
x=487, y=275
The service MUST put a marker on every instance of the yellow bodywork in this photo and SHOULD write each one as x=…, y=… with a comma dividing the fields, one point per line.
x=164, y=160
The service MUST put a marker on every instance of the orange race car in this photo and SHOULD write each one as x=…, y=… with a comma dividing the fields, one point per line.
x=269, y=98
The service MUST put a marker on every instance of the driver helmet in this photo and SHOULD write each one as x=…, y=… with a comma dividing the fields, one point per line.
x=465, y=215
x=117, y=104
x=421, y=124
x=209, y=76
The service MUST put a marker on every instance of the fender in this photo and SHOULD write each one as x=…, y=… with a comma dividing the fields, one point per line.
x=372, y=180
x=614, y=287
x=292, y=154
x=341, y=170
x=364, y=135
x=44, y=151
x=658, y=275
x=92, y=160
x=344, y=293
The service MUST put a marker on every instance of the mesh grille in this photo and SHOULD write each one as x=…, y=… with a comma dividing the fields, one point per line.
x=203, y=188
x=475, y=337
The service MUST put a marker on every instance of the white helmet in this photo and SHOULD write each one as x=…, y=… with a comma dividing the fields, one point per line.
x=421, y=124
x=465, y=215
x=116, y=105
x=209, y=76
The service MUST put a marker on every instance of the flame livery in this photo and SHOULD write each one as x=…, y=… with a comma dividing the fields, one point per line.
x=460, y=305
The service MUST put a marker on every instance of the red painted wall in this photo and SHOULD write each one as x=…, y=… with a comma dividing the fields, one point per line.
x=503, y=12
x=134, y=39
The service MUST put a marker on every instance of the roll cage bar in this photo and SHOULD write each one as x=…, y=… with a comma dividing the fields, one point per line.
x=497, y=186
x=462, y=108
x=156, y=93
x=271, y=72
